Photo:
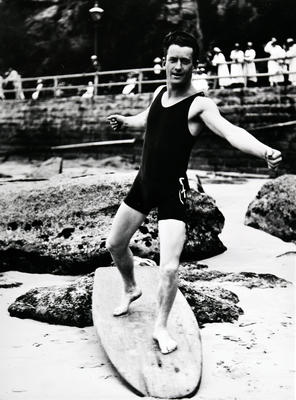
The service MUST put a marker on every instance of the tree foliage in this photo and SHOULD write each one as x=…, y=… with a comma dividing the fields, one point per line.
x=49, y=37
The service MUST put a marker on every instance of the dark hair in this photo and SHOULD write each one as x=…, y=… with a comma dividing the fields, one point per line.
x=181, y=38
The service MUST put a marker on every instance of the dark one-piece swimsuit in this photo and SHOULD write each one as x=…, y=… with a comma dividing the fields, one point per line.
x=161, y=181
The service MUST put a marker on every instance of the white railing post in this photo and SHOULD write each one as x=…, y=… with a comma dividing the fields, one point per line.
x=140, y=80
x=55, y=86
x=96, y=82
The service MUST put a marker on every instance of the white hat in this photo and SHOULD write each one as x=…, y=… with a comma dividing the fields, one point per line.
x=216, y=49
x=290, y=40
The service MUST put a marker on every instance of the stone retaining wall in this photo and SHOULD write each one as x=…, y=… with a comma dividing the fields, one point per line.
x=31, y=127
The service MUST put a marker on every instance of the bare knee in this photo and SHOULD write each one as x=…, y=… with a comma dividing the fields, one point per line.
x=112, y=245
x=169, y=270
x=116, y=247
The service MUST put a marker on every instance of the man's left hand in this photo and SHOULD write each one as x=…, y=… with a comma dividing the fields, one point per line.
x=273, y=158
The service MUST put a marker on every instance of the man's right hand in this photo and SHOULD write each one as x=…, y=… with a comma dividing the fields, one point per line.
x=116, y=121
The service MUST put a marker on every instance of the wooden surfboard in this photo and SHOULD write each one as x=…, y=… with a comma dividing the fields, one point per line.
x=127, y=340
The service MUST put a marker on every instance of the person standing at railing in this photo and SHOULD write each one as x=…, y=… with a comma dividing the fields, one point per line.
x=210, y=68
x=14, y=77
x=250, y=66
x=276, y=62
x=130, y=84
x=2, y=96
x=236, y=67
x=291, y=61
x=199, y=79
x=89, y=93
x=36, y=94
x=222, y=68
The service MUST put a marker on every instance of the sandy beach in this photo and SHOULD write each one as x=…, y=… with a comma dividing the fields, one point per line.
x=253, y=358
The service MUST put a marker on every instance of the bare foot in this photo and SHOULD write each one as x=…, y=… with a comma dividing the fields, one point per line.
x=165, y=342
x=127, y=299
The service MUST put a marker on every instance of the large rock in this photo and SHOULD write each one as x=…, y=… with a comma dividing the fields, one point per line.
x=273, y=210
x=71, y=304
x=64, y=305
x=6, y=283
x=199, y=273
x=210, y=301
x=60, y=226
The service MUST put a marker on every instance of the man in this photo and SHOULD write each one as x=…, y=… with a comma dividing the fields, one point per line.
x=174, y=119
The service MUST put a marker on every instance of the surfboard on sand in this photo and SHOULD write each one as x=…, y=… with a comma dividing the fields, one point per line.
x=127, y=340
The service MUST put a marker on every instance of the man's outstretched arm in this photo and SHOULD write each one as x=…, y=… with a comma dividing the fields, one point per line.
x=236, y=136
x=118, y=122
x=137, y=121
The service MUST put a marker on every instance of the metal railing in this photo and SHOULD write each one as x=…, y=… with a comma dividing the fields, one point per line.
x=112, y=82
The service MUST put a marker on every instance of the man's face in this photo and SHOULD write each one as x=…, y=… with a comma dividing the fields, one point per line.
x=179, y=64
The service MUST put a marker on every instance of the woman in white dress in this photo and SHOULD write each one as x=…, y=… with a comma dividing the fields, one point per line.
x=275, y=63
x=199, y=79
x=13, y=76
x=291, y=62
x=223, y=71
x=2, y=96
x=236, y=68
x=89, y=93
x=36, y=94
x=130, y=84
x=250, y=66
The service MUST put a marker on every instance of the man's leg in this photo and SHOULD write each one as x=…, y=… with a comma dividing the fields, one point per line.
x=172, y=237
x=125, y=224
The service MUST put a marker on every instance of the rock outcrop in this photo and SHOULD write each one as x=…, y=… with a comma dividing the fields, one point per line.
x=198, y=274
x=60, y=226
x=273, y=210
x=210, y=301
x=7, y=283
x=64, y=305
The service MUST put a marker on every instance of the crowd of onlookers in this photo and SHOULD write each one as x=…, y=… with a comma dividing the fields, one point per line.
x=241, y=69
